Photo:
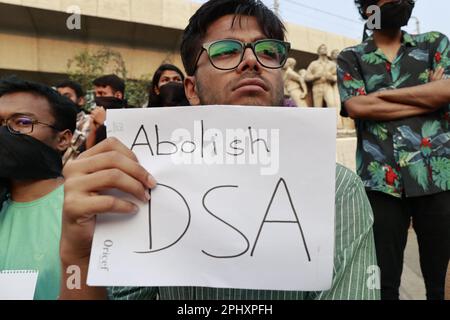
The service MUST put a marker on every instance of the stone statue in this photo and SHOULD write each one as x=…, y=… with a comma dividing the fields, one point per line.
x=332, y=78
x=294, y=85
x=346, y=124
x=302, y=73
x=318, y=74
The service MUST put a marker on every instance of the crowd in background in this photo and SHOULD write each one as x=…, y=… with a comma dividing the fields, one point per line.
x=394, y=85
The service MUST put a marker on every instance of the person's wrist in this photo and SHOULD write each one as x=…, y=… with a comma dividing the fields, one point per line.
x=97, y=124
x=72, y=256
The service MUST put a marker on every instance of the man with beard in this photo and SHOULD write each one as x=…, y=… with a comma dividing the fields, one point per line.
x=403, y=138
x=75, y=93
x=233, y=53
x=109, y=93
x=36, y=127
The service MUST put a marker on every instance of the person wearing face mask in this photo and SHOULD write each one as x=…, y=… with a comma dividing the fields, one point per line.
x=395, y=85
x=172, y=95
x=36, y=127
x=109, y=93
x=165, y=74
x=75, y=93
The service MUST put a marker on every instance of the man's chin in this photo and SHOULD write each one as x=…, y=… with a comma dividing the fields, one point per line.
x=255, y=101
x=252, y=101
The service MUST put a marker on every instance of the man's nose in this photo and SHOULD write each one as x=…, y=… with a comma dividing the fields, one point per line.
x=249, y=61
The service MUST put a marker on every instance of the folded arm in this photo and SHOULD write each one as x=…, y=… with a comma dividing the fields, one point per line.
x=433, y=95
x=402, y=103
x=372, y=107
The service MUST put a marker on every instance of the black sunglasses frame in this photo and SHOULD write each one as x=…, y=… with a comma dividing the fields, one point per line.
x=245, y=45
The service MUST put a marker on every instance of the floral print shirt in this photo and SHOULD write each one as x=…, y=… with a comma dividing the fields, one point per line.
x=408, y=157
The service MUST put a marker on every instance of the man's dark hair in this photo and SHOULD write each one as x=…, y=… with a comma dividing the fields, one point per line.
x=62, y=108
x=213, y=10
x=111, y=80
x=76, y=87
x=362, y=6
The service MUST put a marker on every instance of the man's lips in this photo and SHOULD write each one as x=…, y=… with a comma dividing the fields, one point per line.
x=254, y=83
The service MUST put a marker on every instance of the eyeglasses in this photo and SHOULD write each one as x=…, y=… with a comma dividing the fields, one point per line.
x=21, y=124
x=228, y=54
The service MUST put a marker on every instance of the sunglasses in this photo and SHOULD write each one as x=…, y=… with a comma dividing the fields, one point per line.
x=228, y=54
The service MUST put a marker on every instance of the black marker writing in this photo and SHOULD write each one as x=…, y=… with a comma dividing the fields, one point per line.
x=297, y=221
x=235, y=229
x=150, y=222
x=135, y=144
x=159, y=143
x=252, y=142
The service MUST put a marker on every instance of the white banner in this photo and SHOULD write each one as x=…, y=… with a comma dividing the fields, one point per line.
x=246, y=199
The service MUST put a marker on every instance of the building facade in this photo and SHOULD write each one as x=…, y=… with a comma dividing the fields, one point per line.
x=38, y=37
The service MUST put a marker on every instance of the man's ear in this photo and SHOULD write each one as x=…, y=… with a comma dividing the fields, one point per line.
x=190, y=88
x=81, y=101
x=118, y=95
x=64, y=140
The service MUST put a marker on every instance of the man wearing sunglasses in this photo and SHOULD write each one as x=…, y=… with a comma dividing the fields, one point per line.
x=233, y=52
x=394, y=86
x=36, y=126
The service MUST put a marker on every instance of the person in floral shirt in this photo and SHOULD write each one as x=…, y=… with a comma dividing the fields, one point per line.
x=397, y=88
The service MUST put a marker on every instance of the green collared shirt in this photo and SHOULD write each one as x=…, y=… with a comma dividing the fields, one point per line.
x=355, y=276
x=409, y=156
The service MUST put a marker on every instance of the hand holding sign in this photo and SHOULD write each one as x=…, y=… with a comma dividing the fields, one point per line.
x=245, y=200
x=108, y=165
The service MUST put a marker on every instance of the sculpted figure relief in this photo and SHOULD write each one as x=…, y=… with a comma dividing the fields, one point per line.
x=294, y=84
x=318, y=75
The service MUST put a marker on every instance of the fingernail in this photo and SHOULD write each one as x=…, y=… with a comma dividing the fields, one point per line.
x=135, y=209
x=151, y=181
x=147, y=196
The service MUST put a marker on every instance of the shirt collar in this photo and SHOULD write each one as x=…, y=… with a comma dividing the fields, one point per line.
x=407, y=40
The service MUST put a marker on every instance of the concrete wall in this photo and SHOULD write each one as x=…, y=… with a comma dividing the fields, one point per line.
x=34, y=36
x=47, y=54
x=165, y=13
x=175, y=14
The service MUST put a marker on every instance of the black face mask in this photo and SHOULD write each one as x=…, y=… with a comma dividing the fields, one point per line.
x=172, y=94
x=110, y=103
x=25, y=158
x=396, y=15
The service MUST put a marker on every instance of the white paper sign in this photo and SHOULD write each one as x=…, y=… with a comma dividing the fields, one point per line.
x=18, y=284
x=245, y=200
